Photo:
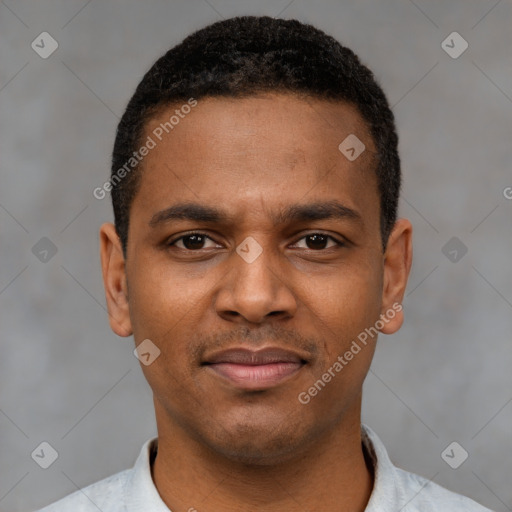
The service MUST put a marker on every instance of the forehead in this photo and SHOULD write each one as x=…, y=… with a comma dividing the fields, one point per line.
x=255, y=153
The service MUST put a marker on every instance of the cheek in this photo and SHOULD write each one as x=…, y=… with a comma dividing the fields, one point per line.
x=348, y=302
x=167, y=306
x=345, y=309
x=162, y=298
x=166, y=311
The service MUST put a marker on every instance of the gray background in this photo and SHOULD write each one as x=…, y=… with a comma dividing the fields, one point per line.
x=65, y=378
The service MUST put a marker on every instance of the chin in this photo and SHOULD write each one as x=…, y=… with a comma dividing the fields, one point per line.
x=259, y=445
x=256, y=452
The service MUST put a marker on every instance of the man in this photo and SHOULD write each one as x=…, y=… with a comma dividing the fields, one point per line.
x=255, y=256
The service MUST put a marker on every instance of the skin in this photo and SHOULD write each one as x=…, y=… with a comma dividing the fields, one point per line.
x=222, y=448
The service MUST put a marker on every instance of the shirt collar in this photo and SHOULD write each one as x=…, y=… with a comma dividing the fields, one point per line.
x=387, y=494
x=141, y=494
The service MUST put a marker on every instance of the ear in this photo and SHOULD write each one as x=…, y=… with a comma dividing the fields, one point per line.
x=397, y=265
x=114, y=280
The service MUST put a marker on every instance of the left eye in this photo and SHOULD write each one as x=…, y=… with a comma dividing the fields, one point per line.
x=318, y=241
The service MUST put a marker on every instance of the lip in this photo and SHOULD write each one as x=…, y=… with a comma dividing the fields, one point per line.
x=255, y=370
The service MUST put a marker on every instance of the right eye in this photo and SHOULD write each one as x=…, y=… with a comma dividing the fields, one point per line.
x=191, y=241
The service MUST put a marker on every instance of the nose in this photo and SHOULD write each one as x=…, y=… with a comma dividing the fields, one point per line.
x=254, y=291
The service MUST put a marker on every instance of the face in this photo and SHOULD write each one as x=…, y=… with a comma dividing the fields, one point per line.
x=254, y=261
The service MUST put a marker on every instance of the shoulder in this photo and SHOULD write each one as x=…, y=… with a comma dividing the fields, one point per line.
x=105, y=495
x=121, y=492
x=397, y=489
x=422, y=495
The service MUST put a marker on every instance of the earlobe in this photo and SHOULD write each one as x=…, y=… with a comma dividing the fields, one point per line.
x=114, y=280
x=397, y=266
x=391, y=319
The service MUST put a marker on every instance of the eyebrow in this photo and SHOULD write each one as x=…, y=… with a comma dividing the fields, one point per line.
x=296, y=212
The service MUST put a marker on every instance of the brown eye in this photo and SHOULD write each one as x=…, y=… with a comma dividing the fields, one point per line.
x=319, y=241
x=316, y=241
x=194, y=241
x=191, y=242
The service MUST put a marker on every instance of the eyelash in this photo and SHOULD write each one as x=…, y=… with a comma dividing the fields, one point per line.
x=171, y=243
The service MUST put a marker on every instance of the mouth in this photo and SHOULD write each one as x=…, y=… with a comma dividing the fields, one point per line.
x=255, y=370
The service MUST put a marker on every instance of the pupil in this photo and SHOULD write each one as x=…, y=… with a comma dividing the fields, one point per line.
x=193, y=241
x=319, y=241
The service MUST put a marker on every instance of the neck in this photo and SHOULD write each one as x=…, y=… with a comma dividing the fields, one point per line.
x=332, y=474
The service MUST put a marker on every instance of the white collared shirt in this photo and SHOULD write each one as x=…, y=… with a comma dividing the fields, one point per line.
x=394, y=489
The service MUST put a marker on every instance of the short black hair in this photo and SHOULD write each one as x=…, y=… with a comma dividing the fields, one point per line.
x=245, y=56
